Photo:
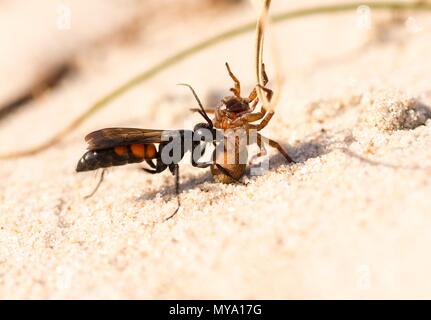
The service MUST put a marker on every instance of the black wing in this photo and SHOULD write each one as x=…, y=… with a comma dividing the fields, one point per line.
x=113, y=137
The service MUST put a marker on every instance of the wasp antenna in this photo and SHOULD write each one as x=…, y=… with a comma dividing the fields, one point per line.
x=203, y=112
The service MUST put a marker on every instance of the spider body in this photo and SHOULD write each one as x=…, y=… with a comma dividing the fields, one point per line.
x=236, y=116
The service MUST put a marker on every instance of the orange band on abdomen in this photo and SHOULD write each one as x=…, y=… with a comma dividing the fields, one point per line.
x=150, y=151
x=138, y=150
x=120, y=151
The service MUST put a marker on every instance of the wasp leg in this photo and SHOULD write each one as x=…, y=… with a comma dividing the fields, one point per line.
x=102, y=175
x=253, y=94
x=174, y=168
x=160, y=167
x=276, y=145
x=176, y=172
x=237, y=90
x=150, y=163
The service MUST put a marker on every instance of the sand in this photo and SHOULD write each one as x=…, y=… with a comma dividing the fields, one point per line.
x=349, y=220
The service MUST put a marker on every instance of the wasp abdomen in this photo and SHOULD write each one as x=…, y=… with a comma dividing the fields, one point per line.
x=117, y=156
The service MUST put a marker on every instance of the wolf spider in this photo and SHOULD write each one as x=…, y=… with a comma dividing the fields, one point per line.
x=236, y=113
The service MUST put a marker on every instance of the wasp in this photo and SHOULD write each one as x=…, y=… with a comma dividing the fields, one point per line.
x=164, y=149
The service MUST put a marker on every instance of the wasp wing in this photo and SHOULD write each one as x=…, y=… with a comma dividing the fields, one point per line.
x=113, y=137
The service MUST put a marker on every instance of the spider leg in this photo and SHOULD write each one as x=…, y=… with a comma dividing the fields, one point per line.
x=253, y=94
x=252, y=117
x=253, y=106
x=276, y=145
x=237, y=90
x=262, y=151
x=245, y=119
x=256, y=116
x=265, y=121
x=269, y=92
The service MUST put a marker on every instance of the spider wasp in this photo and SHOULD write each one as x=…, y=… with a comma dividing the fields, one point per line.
x=120, y=146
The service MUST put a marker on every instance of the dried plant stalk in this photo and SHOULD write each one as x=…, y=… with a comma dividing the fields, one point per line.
x=262, y=27
x=260, y=37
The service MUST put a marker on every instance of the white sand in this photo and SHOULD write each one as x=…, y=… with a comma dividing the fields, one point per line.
x=350, y=220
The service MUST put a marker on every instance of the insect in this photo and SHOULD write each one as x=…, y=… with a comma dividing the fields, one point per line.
x=121, y=146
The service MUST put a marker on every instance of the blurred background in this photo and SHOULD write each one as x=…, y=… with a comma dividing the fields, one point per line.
x=58, y=57
x=58, y=48
x=336, y=224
